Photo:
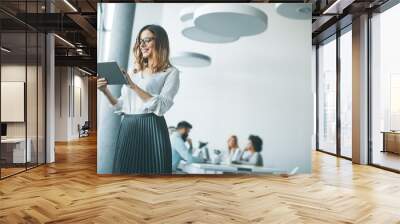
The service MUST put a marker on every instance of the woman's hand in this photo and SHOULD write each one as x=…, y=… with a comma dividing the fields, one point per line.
x=102, y=84
x=189, y=141
x=128, y=79
x=145, y=96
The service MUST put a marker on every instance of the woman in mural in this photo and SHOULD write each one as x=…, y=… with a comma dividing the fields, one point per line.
x=143, y=144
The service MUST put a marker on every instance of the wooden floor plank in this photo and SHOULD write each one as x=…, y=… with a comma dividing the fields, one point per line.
x=70, y=191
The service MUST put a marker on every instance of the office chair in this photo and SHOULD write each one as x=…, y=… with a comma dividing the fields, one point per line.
x=84, y=130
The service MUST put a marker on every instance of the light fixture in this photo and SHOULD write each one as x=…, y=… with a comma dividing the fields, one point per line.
x=64, y=40
x=79, y=51
x=192, y=32
x=70, y=5
x=5, y=50
x=190, y=59
x=233, y=20
x=294, y=10
x=337, y=7
x=84, y=71
x=187, y=14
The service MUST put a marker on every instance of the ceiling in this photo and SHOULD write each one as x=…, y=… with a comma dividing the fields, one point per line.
x=24, y=48
x=79, y=27
x=332, y=15
x=76, y=24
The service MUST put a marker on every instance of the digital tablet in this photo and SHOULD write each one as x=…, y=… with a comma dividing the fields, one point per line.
x=111, y=72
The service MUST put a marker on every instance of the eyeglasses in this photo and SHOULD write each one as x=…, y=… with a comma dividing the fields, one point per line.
x=146, y=40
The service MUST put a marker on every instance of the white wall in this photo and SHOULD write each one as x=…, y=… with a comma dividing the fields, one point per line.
x=258, y=85
x=15, y=73
x=80, y=84
x=67, y=85
x=61, y=103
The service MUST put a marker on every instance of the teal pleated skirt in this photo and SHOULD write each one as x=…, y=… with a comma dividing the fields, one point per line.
x=143, y=146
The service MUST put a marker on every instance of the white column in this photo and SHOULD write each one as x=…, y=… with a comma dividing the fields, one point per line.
x=50, y=92
x=50, y=100
x=108, y=122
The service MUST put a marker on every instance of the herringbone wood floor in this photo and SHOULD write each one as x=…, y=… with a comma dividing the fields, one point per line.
x=70, y=191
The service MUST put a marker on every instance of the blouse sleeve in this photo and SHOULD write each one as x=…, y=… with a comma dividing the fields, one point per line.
x=118, y=106
x=255, y=160
x=160, y=104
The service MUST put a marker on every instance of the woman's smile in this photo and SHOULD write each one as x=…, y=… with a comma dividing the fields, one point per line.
x=145, y=50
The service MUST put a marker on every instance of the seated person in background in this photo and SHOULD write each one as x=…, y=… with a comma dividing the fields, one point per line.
x=252, y=155
x=179, y=149
x=233, y=153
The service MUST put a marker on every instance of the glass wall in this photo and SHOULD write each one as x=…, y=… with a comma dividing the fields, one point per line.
x=327, y=96
x=13, y=87
x=22, y=93
x=335, y=61
x=385, y=89
x=314, y=91
x=346, y=92
x=31, y=98
x=41, y=97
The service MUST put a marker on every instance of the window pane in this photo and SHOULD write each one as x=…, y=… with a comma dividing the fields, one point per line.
x=386, y=88
x=314, y=73
x=31, y=99
x=23, y=87
x=327, y=96
x=14, y=153
x=41, y=98
x=346, y=94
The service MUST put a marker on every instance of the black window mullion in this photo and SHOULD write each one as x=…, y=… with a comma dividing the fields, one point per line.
x=26, y=86
x=45, y=93
x=0, y=95
x=44, y=72
x=338, y=92
x=369, y=90
x=317, y=96
x=37, y=90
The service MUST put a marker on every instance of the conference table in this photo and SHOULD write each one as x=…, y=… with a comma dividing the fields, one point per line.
x=209, y=168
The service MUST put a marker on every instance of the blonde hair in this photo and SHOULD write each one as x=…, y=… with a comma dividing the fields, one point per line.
x=160, y=56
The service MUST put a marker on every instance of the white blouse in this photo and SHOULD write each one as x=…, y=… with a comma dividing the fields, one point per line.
x=163, y=87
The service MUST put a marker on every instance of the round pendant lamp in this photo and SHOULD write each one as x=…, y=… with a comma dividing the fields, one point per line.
x=190, y=59
x=192, y=32
x=187, y=14
x=233, y=20
x=294, y=10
